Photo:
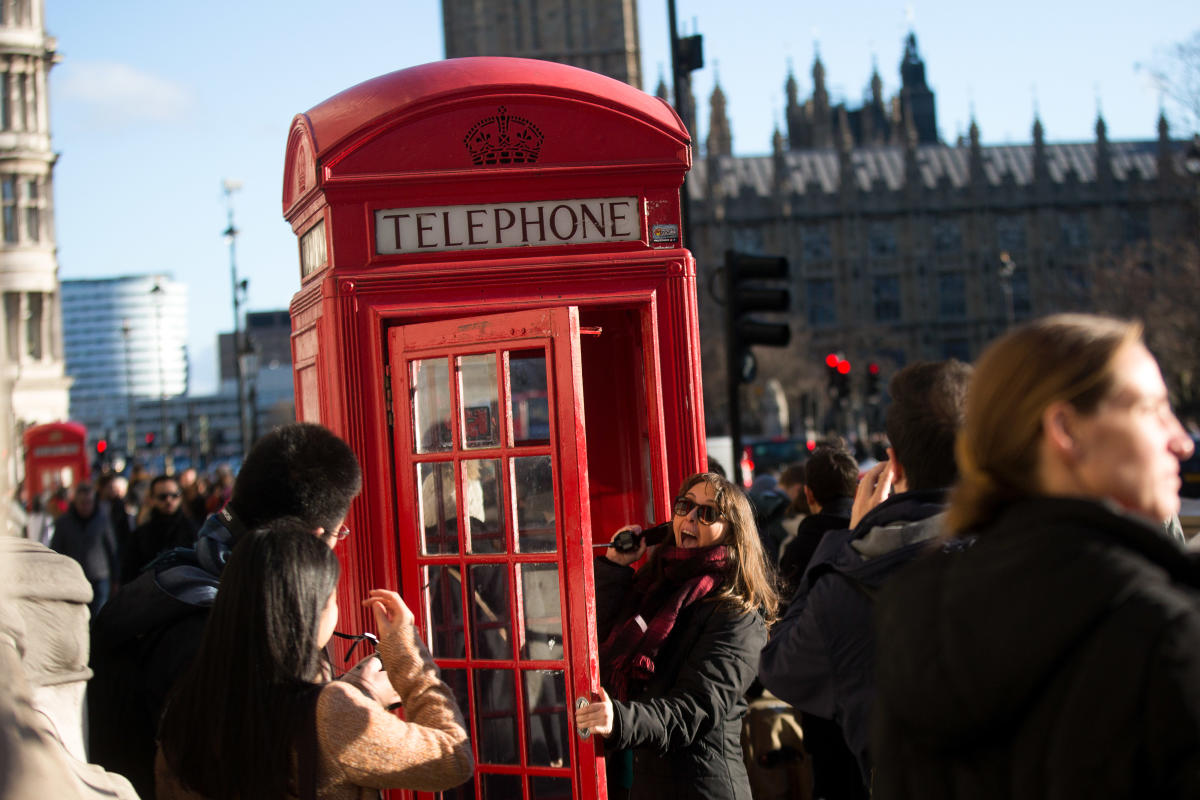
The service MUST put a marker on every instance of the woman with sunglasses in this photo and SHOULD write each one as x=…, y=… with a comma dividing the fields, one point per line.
x=680, y=642
x=253, y=718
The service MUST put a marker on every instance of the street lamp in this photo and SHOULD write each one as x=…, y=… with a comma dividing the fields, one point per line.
x=249, y=366
x=1007, y=269
x=230, y=233
x=160, y=295
x=131, y=424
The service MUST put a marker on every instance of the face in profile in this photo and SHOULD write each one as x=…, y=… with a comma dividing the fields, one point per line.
x=1130, y=447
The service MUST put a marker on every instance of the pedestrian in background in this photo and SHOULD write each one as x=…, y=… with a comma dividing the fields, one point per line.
x=1053, y=651
x=167, y=527
x=680, y=646
x=83, y=532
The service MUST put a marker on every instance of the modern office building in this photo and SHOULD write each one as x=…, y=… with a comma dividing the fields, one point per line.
x=33, y=387
x=125, y=341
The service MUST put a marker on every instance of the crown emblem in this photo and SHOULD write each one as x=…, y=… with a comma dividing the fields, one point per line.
x=502, y=139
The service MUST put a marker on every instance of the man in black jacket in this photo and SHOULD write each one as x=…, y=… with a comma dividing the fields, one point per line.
x=820, y=656
x=830, y=478
x=84, y=533
x=168, y=527
x=152, y=629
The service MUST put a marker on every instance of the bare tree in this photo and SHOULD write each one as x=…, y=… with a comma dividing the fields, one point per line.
x=1175, y=71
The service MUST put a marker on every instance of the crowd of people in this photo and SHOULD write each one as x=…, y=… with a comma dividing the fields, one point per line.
x=1001, y=608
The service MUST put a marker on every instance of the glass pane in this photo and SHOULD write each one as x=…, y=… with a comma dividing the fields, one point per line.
x=546, y=718
x=500, y=787
x=443, y=612
x=496, y=719
x=438, y=511
x=533, y=480
x=431, y=405
x=485, y=512
x=491, y=624
x=543, y=614
x=456, y=679
x=480, y=403
x=530, y=400
x=541, y=788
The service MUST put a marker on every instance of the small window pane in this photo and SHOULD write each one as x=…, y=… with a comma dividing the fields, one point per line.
x=439, y=509
x=443, y=612
x=491, y=623
x=431, y=405
x=485, y=512
x=530, y=398
x=500, y=787
x=546, y=719
x=496, y=719
x=543, y=788
x=480, y=403
x=542, y=611
x=533, y=481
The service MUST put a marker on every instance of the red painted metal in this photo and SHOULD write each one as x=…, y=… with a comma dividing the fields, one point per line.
x=50, y=450
x=626, y=416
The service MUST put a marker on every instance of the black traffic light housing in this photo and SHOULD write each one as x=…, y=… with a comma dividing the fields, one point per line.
x=748, y=289
x=872, y=381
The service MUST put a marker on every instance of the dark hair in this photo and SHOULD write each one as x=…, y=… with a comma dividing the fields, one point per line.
x=750, y=582
x=1066, y=357
x=928, y=403
x=161, y=479
x=830, y=473
x=301, y=470
x=229, y=728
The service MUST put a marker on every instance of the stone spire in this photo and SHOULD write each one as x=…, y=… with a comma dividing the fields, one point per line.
x=822, y=116
x=661, y=91
x=793, y=113
x=780, y=177
x=1041, y=172
x=1104, y=172
x=1165, y=163
x=720, y=137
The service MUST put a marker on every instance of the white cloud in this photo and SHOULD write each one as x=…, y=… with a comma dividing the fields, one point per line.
x=118, y=94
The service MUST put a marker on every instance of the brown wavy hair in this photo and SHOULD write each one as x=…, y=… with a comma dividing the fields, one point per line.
x=1061, y=358
x=750, y=581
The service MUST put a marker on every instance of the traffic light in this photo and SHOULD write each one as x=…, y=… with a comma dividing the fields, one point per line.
x=745, y=293
x=873, y=380
x=843, y=369
x=150, y=439
x=101, y=447
x=838, y=369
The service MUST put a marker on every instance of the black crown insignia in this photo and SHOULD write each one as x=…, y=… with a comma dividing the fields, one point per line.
x=503, y=139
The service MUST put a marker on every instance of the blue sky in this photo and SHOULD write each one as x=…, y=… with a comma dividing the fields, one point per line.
x=156, y=103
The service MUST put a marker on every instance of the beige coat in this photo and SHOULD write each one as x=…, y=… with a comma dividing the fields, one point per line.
x=363, y=747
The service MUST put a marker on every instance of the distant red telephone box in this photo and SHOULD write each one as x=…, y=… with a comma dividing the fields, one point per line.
x=497, y=313
x=55, y=455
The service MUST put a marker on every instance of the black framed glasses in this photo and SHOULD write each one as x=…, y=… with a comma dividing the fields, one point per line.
x=342, y=532
x=706, y=514
x=370, y=638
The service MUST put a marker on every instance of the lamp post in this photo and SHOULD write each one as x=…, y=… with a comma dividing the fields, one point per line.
x=163, y=442
x=249, y=368
x=1007, y=269
x=131, y=424
x=230, y=233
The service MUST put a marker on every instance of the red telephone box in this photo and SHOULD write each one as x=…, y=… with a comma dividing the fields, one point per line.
x=496, y=312
x=55, y=455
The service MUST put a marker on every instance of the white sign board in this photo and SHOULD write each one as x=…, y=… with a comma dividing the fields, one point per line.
x=490, y=225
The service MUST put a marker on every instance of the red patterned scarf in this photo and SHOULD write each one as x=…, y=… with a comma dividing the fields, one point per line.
x=688, y=575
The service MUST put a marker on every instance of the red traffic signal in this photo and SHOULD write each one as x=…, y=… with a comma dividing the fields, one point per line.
x=843, y=367
x=873, y=368
x=832, y=360
x=149, y=438
x=101, y=446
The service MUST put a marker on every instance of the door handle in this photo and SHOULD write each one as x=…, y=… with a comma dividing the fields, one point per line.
x=580, y=704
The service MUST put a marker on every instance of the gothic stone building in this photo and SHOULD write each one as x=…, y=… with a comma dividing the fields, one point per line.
x=904, y=248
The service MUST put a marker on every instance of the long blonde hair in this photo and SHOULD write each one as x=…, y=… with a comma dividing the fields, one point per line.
x=750, y=582
x=1061, y=358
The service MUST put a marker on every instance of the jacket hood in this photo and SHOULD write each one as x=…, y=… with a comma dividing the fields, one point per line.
x=969, y=636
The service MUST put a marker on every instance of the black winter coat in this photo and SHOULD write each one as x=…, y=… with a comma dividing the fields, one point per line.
x=1058, y=657
x=684, y=726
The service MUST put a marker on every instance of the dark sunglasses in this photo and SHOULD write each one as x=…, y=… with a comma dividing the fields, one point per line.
x=706, y=514
x=370, y=638
x=167, y=496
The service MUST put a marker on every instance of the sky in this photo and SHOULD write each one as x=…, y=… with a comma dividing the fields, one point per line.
x=155, y=104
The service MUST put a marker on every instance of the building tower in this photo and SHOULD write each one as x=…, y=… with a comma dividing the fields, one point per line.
x=33, y=388
x=916, y=98
x=599, y=35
